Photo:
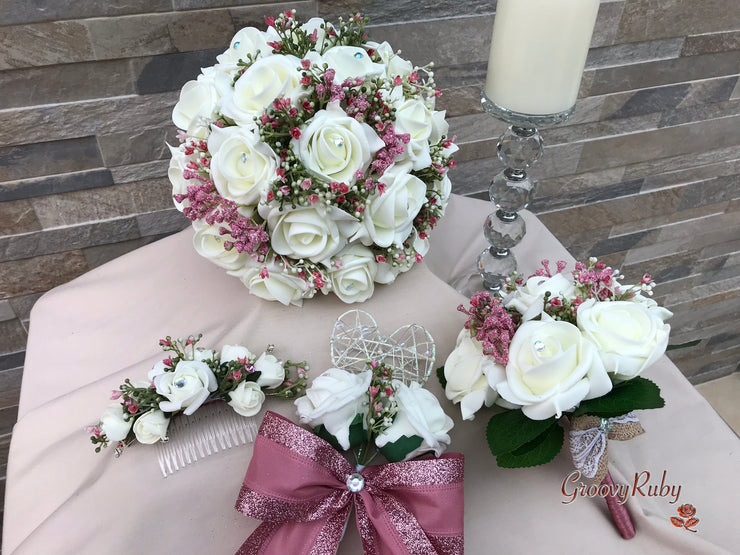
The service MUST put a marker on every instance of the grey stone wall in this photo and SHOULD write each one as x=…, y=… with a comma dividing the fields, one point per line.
x=646, y=174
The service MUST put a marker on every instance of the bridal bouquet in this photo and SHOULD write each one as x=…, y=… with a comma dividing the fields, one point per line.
x=311, y=159
x=553, y=346
x=187, y=379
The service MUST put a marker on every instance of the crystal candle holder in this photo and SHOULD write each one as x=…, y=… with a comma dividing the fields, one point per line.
x=512, y=190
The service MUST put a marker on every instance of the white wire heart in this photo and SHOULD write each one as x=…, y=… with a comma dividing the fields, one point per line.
x=409, y=350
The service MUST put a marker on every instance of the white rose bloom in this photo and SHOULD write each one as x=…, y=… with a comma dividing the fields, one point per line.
x=396, y=66
x=334, y=399
x=231, y=353
x=204, y=355
x=178, y=164
x=277, y=285
x=187, y=387
x=551, y=369
x=440, y=128
x=528, y=299
x=417, y=154
x=315, y=24
x=264, y=81
x=415, y=118
x=151, y=427
x=444, y=188
x=419, y=414
x=629, y=336
x=246, y=399
x=468, y=373
x=273, y=372
x=242, y=166
x=389, y=217
x=349, y=62
x=113, y=425
x=313, y=232
x=246, y=42
x=197, y=106
x=334, y=146
x=209, y=243
x=352, y=274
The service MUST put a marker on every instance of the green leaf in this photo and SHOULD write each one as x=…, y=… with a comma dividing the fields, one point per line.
x=397, y=450
x=357, y=434
x=637, y=393
x=683, y=345
x=510, y=430
x=540, y=450
x=323, y=434
x=441, y=377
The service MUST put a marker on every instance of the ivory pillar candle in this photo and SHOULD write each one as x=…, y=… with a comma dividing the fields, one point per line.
x=538, y=51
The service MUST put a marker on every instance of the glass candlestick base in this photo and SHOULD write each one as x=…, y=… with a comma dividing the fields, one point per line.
x=494, y=266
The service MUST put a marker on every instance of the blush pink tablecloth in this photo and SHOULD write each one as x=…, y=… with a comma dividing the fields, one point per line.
x=90, y=334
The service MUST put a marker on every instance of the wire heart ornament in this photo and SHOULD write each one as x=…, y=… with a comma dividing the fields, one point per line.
x=356, y=339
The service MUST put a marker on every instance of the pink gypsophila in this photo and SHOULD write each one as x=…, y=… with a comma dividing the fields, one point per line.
x=490, y=324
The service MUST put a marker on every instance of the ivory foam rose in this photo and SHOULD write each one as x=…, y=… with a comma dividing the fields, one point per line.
x=333, y=399
x=242, y=167
x=629, y=336
x=315, y=233
x=551, y=369
x=352, y=274
x=187, y=387
x=334, y=146
x=468, y=373
x=246, y=399
x=264, y=81
x=151, y=427
x=419, y=414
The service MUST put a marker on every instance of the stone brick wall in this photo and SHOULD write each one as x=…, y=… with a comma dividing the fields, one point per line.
x=646, y=174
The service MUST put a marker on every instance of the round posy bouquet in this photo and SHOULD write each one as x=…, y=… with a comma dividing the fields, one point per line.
x=372, y=412
x=188, y=378
x=311, y=160
x=554, y=345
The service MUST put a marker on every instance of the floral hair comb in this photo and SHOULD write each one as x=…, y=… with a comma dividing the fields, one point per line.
x=179, y=407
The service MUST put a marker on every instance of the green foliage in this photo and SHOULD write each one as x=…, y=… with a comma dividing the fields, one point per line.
x=511, y=430
x=397, y=450
x=634, y=394
x=441, y=377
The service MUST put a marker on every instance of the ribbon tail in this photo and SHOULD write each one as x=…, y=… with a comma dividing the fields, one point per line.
x=297, y=538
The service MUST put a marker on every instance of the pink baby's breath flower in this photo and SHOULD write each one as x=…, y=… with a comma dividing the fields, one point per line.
x=306, y=64
x=418, y=258
x=378, y=407
x=264, y=274
x=374, y=364
x=397, y=80
x=237, y=375
x=374, y=390
x=116, y=394
x=380, y=258
x=313, y=199
x=295, y=133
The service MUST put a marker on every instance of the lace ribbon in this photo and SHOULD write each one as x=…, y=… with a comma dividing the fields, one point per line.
x=304, y=491
x=588, y=438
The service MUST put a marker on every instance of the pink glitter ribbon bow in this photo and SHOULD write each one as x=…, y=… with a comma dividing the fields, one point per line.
x=304, y=490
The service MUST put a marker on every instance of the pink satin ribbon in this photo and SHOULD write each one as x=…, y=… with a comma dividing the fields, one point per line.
x=296, y=484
